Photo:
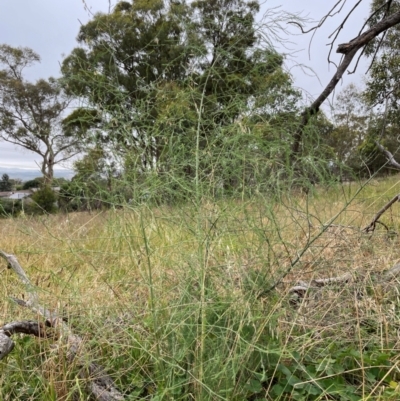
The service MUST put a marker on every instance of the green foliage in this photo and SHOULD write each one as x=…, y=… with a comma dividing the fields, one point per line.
x=178, y=89
x=356, y=129
x=78, y=123
x=372, y=157
x=332, y=374
x=94, y=166
x=382, y=92
x=382, y=84
x=10, y=207
x=35, y=183
x=5, y=183
x=94, y=186
x=84, y=195
x=186, y=105
x=351, y=123
x=45, y=199
x=57, y=182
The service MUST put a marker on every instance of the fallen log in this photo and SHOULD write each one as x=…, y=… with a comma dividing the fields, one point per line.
x=299, y=291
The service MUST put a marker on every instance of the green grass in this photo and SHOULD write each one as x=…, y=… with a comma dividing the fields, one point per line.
x=192, y=303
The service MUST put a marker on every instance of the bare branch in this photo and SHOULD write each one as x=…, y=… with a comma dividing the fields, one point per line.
x=376, y=51
x=388, y=155
x=6, y=344
x=371, y=226
x=299, y=291
x=387, y=4
x=338, y=29
x=323, y=19
x=372, y=33
x=26, y=327
x=349, y=50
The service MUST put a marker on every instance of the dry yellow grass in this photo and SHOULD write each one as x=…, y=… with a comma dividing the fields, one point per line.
x=99, y=259
x=100, y=267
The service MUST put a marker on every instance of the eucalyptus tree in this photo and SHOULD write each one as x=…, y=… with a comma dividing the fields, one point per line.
x=162, y=73
x=5, y=183
x=31, y=114
x=383, y=89
x=351, y=119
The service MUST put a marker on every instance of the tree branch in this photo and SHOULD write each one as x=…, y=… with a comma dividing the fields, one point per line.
x=25, y=327
x=349, y=50
x=323, y=19
x=389, y=156
x=371, y=226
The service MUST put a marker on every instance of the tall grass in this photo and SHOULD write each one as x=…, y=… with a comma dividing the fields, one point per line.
x=180, y=288
x=176, y=302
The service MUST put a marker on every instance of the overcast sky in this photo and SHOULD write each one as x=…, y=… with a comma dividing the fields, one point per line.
x=50, y=28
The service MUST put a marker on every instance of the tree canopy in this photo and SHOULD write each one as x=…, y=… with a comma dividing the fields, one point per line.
x=31, y=113
x=186, y=92
x=5, y=183
x=156, y=73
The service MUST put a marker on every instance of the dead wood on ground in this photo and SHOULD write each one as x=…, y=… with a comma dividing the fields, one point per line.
x=99, y=382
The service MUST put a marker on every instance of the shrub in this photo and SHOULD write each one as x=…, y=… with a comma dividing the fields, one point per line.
x=45, y=200
x=5, y=183
x=10, y=207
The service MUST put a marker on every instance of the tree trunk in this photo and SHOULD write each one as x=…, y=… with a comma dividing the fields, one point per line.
x=48, y=167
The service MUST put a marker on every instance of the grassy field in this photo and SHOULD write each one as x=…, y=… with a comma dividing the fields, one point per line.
x=193, y=302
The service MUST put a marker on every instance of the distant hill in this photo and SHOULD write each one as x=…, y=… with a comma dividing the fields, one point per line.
x=29, y=174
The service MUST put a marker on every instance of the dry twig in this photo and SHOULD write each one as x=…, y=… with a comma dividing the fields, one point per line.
x=100, y=384
x=371, y=226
